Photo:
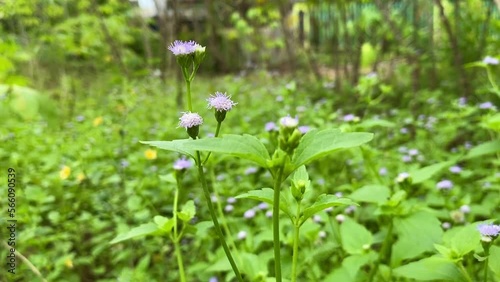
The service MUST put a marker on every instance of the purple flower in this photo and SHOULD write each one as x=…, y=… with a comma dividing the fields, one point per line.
x=188, y=120
x=289, y=122
x=382, y=171
x=220, y=102
x=304, y=129
x=251, y=170
x=487, y=106
x=271, y=126
x=402, y=176
x=444, y=185
x=465, y=209
x=269, y=213
x=462, y=101
x=403, y=130
x=229, y=208
x=455, y=169
x=242, y=235
x=249, y=214
x=413, y=152
x=489, y=230
x=263, y=206
x=182, y=164
x=490, y=60
x=231, y=200
x=179, y=47
x=349, y=117
x=213, y=279
x=406, y=159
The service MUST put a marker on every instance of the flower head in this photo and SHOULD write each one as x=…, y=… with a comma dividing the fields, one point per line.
x=488, y=231
x=402, y=177
x=179, y=47
x=444, y=185
x=182, y=164
x=455, y=169
x=490, y=60
x=289, y=122
x=150, y=154
x=64, y=172
x=249, y=214
x=487, y=106
x=271, y=126
x=98, y=121
x=188, y=120
x=220, y=102
x=304, y=129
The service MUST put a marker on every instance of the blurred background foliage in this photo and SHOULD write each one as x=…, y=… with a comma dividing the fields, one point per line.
x=82, y=81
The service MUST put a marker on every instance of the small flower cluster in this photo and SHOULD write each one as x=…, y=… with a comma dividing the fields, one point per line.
x=488, y=231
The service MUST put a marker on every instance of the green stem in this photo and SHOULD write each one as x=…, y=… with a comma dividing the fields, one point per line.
x=464, y=272
x=490, y=78
x=276, y=225
x=217, y=131
x=383, y=252
x=214, y=217
x=486, y=269
x=188, y=89
x=296, y=238
x=176, y=238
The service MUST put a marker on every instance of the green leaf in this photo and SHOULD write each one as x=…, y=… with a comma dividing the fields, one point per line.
x=325, y=201
x=371, y=194
x=316, y=144
x=494, y=261
x=432, y=268
x=188, y=211
x=421, y=227
x=422, y=174
x=267, y=195
x=174, y=145
x=244, y=146
x=484, y=149
x=465, y=240
x=142, y=230
x=164, y=223
x=355, y=237
x=301, y=174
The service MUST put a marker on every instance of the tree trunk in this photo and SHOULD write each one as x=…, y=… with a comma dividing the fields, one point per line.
x=457, y=54
x=288, y=37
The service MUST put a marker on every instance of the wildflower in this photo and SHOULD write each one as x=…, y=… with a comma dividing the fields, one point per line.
x=229, y=208
x=179, y=47
x=340, y=218
x=322, y=234
x=213, y=279
x=382, y=171
x=304, y=129
x=150, y=154
x=444, y=185
x=182, y=164
x=317, y=218
x=413, y=152
x=242, y=235
x=350, y=209
x=64, y=172
x=231, y=200
x=490, y=60
x=488, y=231
x=192, y=122
x=403, y=130
x=487, y=106
x=329, y=210
x=350, y=117
x=462, y=101
x=214, y=199
x=465, y=209
x=80, y=118
x=68, y=263
x=221, y=102
x=289, y=122
x=271, y=126
x=402, y=177
x=97, y=121
x=269, y=213
x=251, y=170
x=339, y=194
x=189, y=120
x=446, y=225
x=263, y=206
x=406, y=159
x=457, y=216
x=249, y=214
x=455, y=169
x=124, y=163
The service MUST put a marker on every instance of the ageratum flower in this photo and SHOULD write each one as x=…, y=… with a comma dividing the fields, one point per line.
x=179, y=47
x=488, y=231
x=490, y=61
x=182, y=164
x=220, y=102
x=188, y=120
x=271, y=126
x=289, y=122
x=444, y=185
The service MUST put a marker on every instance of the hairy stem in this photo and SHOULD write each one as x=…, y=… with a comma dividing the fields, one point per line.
x=188, y=89
x=176, y=239
x=214, y=217
x=296, y=238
